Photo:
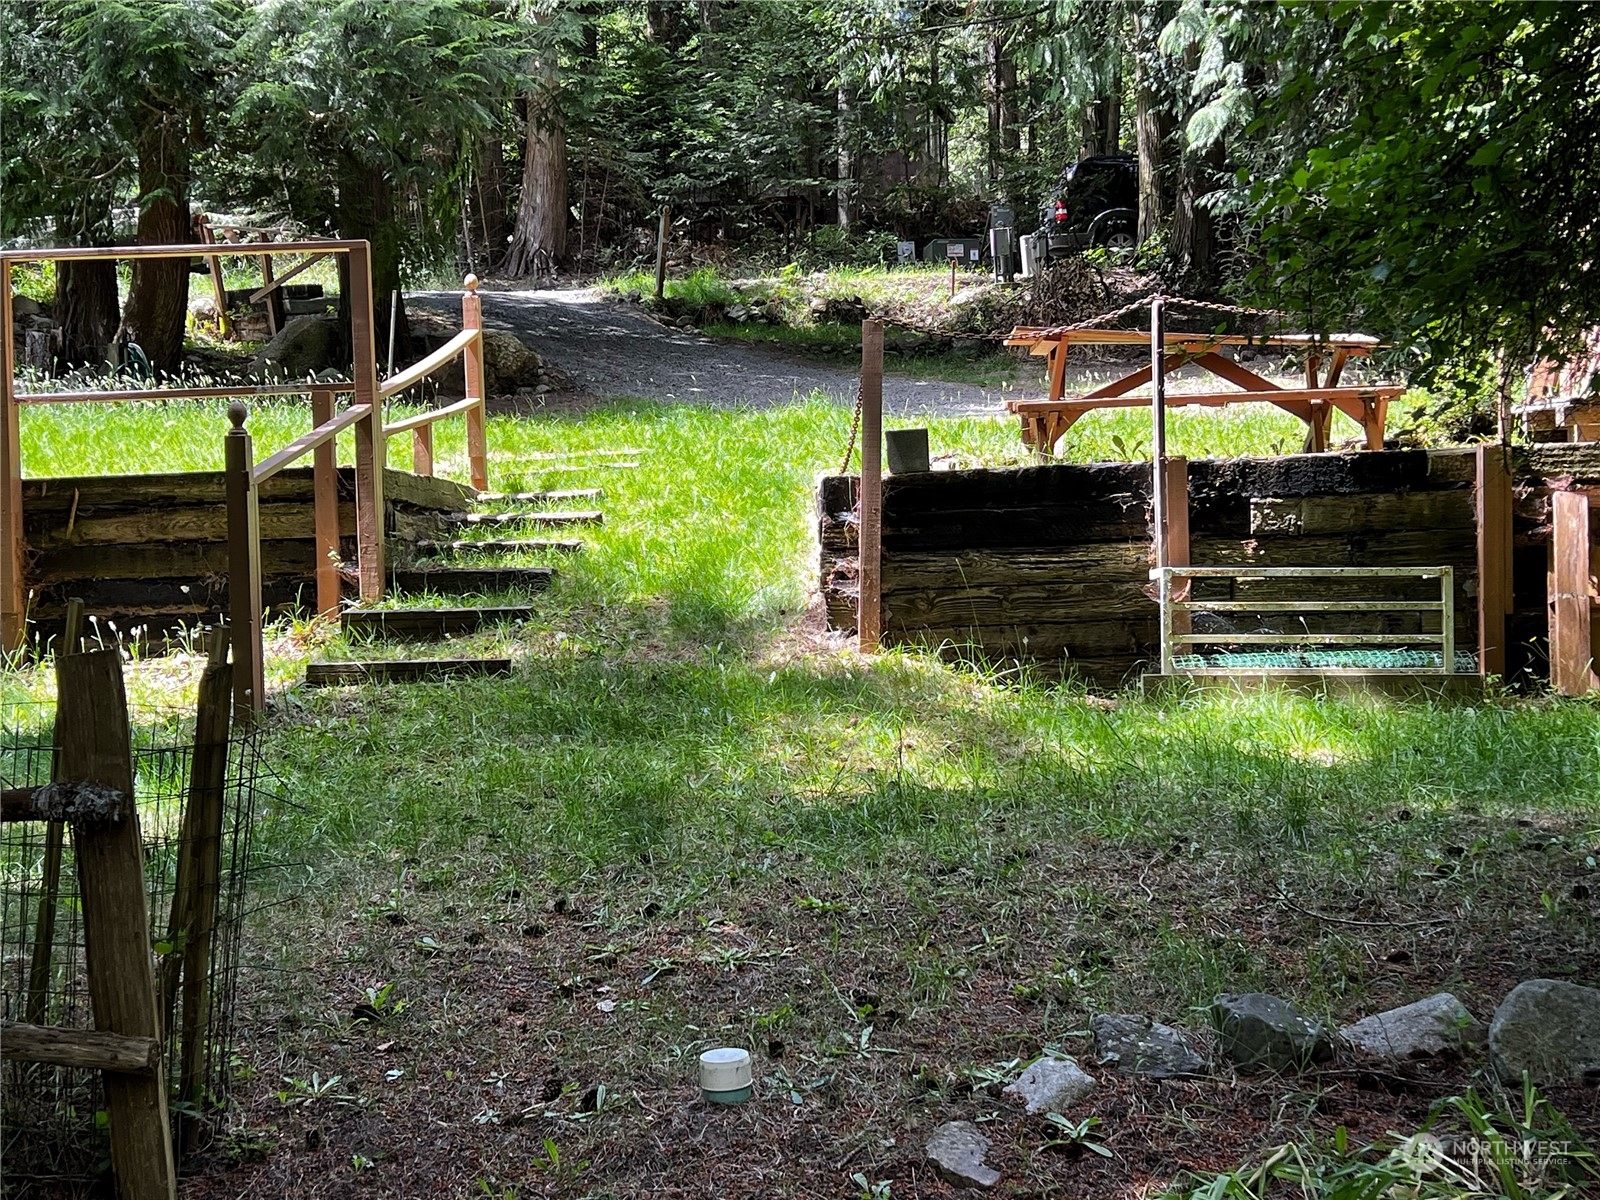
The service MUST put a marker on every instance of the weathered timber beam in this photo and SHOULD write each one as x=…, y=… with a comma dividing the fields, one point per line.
x=79, y=802
x=85, y=1049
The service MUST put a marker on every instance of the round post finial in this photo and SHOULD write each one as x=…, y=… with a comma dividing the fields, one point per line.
x=471, y=283
x=238, y=413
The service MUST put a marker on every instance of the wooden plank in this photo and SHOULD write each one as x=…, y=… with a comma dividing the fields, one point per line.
x=540, y=497
x=1493, y=513
x=59, y=253
x=191, y=523
x=475, y=385
x=244, y=570
x=1572, y=664
x=418, y=371
x=404, y=671
x=498, y=545
x=1039, y=526
x=325, y=509
x=370, y=443
x=869, y=620
x=1060, y=602
x=13, y=584
x=1355, y=344
x=1177, y=540
x=590, y=517
x=422, y=449
x=428, y=622
x=93, y=736
x=1359, y=514
x=198, y=892
x=466, y=581
x=160, y=392
x=273, y=284
x=1002, y=567
x=80, y=1049
x=324, y=432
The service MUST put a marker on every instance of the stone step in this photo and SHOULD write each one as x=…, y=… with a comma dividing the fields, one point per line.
x=467, y=581
x=427, y=622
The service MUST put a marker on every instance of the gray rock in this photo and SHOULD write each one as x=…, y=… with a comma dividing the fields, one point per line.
x=1136, y=1045
x=1549, y=1028
x=304, y=346
x=1051, y=1085
x=25, y=306
x=956, y=1150
x=1432, y=1026
x=1257, y=1030
x=508, y=363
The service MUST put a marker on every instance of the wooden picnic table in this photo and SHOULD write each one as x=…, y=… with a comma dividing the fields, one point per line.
x=1044, y=421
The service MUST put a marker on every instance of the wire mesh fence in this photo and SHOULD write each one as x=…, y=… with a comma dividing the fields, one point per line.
x=53, y=1125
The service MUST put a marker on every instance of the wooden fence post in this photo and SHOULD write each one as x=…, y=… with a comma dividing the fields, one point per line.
x=244, y=566
x=325, y=507
x=13, y=589
x=1176, y=491
x=869, y=612
x=1572, y=598
x=661, y=252
x=1493, y=502
x=472, y=363
x=370, y=447
x=93, y=741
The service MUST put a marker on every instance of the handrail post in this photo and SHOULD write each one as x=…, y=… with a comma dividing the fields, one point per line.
x=1447, y=627
x=476, y=389
x=325, y=507
x=13, y=591
x=370, y=447
x=244, y=567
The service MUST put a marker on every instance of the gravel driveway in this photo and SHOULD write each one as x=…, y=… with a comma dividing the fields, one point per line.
x=614, y=349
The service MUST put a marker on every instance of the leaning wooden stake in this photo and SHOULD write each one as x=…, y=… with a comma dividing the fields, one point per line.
x=661, y=252
x=197, y=893
x=869, y=612
x=94, y=743
x=44, y=929
x=244, y=566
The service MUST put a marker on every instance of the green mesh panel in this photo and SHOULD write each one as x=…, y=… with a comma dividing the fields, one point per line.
x=1324, y=660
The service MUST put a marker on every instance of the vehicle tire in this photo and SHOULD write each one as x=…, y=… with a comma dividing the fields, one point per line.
x=1119, y=239
x=1114, y=229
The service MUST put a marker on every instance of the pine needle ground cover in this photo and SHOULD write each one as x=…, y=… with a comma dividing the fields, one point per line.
x=502, y=918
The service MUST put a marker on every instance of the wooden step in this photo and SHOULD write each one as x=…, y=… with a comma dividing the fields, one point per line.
x=427, y=622
x=499, y=546
x=525, y=518
x=466, y=581
x=557, y=497
x=417, y=670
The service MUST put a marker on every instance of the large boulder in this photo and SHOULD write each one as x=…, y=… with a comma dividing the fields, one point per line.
x=1258, y=1031
x=1436, y=1025
x=303, y=347
x=1051, y=1085
x=1136, y=1045
x=508, y=363
x=1549, y=1028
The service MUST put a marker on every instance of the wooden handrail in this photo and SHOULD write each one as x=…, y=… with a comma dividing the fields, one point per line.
x=418, y=371
x=307, y=442
x=432, y=415
x=188, y=250
x=206, y=393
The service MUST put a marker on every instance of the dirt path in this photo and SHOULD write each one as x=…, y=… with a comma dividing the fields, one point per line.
x=614, y=349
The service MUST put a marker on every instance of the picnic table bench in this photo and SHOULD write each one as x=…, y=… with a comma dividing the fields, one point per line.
x=1044, y=421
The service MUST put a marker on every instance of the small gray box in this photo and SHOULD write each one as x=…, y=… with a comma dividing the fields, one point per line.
x=908, y=451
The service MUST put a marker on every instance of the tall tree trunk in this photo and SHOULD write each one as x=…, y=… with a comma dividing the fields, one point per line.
x=366, y=211
x=158, y=297
x=542, y=209
x=85, y=311
x=488, y=199
x=846, y=159
x=1193, y=226
x=1154, y=121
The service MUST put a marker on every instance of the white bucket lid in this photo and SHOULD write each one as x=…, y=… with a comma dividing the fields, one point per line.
x=726, y=1069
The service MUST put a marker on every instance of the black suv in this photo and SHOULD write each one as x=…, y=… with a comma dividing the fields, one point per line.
x=1095, y=203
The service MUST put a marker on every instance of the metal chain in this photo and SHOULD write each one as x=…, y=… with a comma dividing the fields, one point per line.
x=855, y=430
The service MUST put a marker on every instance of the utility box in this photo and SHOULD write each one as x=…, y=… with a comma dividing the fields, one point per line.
x=1002, y=256
x=970, y=250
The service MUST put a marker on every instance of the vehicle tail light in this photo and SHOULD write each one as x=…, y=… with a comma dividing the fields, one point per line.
x=1061, y=211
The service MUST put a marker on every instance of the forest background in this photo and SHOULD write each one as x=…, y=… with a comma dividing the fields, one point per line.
x=1424, y=172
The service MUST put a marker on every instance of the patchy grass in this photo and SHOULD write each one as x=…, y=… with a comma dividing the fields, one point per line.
x=692, y=819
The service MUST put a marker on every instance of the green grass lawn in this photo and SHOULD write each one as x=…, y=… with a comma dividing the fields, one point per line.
x=691, y=818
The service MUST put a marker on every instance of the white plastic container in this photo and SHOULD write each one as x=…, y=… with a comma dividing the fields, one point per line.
x=725, y=1076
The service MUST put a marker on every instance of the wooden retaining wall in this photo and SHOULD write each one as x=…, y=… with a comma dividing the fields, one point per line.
x=1051, y=563
x=151, y=550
